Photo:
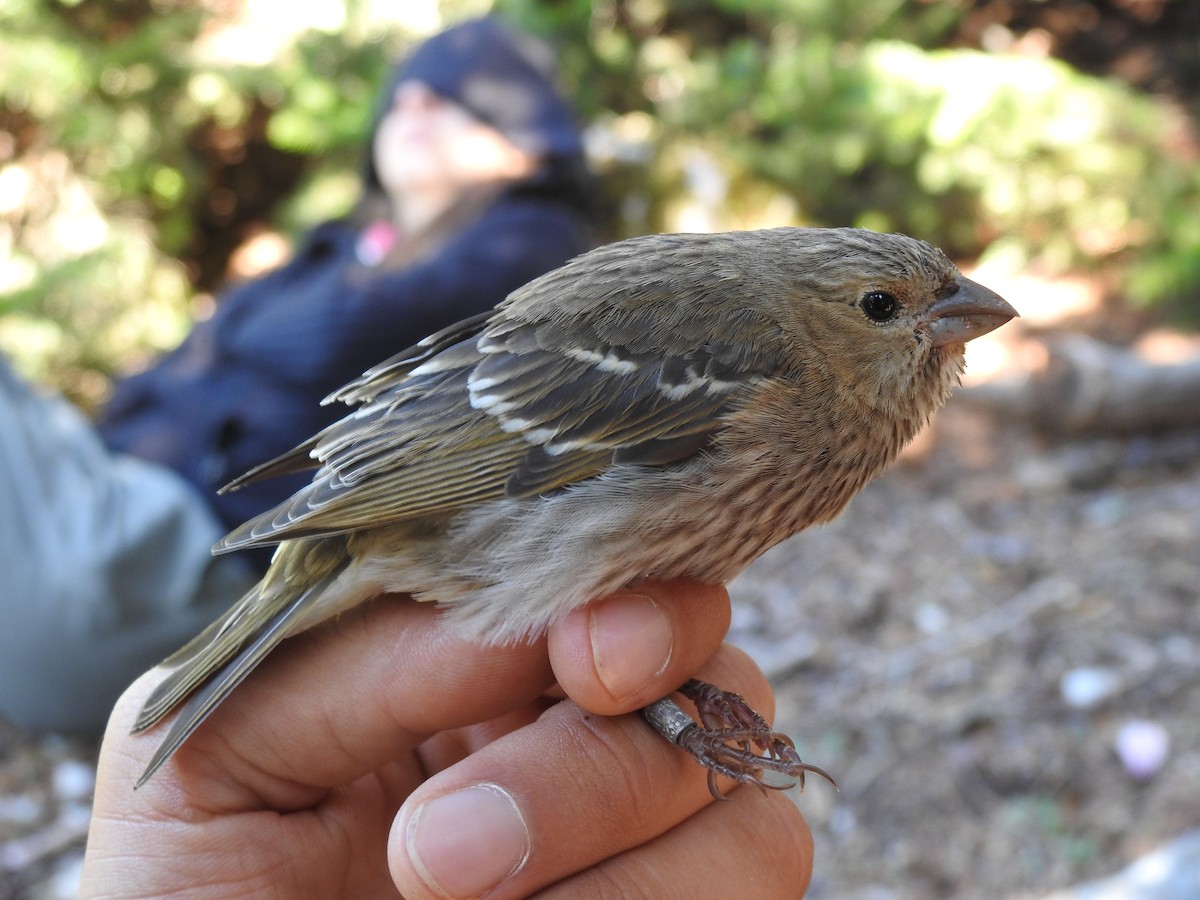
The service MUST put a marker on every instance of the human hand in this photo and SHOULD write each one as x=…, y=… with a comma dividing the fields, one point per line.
x=382, y=752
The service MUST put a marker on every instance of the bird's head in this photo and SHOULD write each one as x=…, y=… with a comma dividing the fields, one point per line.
x=889, y=314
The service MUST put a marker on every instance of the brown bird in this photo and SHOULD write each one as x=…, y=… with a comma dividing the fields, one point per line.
x=664, y=407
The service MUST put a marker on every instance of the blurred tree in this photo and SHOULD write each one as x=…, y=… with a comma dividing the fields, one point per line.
x=143, y=141
x=814, y=111
x=1150, y=44
x=139, y=146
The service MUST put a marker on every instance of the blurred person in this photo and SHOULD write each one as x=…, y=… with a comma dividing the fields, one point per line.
x=473, y=184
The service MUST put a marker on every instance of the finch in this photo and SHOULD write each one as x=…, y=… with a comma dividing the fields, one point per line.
x=665, y=407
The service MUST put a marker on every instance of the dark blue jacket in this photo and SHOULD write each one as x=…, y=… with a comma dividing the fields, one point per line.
x=246, y=385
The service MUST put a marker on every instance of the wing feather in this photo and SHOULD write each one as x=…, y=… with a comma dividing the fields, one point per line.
x=548, y=390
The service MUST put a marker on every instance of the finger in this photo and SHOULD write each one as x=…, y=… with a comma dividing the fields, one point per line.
x=630, y=649
x=751, y=846
x=447, y=748
x=340, y=701
x=554, y=799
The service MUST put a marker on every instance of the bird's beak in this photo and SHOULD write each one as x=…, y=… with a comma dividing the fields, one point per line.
x=967, y=313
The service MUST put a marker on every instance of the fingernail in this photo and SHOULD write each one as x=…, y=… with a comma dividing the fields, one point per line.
x=632, y=641
x=465, y=843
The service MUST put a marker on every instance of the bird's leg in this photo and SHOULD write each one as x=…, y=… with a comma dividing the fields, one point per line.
x=732, y=739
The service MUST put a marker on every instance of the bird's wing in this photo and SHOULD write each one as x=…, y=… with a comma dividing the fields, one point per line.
x=528, y=405
x=366, y=387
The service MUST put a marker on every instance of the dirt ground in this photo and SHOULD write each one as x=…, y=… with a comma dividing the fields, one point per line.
x=928, y=632
x=920, y=645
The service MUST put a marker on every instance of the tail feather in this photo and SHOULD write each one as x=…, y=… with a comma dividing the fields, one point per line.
x=237, y=660
x=191, y=664
x=296, y=564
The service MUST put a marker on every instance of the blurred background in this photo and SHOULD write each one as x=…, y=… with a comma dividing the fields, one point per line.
x=995, y=650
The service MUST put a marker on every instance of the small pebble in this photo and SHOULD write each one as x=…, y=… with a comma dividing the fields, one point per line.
x=74, y=780
x=931, y=618
x=1142, y=747
x=1088, y=687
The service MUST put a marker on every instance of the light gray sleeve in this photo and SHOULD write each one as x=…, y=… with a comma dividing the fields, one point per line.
x=104, y=564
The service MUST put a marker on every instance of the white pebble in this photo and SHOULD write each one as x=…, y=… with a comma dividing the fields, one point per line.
x=931, y=618
x=74, y=780
x=1087, y=687
x=64, y=884
x=1142, y=747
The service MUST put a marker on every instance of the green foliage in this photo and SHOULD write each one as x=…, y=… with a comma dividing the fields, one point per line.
x=817, y=111
x=119, y=125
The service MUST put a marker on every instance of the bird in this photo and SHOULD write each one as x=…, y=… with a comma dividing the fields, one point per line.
x=667, y=406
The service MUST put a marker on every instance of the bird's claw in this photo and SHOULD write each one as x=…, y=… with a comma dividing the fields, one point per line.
x=735, y=741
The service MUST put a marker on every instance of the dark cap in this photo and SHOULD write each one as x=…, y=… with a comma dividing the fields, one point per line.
x=504, y=77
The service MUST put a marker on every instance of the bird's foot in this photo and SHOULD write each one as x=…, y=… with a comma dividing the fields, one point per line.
x=732, y=740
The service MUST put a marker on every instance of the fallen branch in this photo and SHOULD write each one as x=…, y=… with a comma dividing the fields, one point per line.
x=1091, y=387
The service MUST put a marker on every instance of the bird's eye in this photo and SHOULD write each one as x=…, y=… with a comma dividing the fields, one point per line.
x=880, y=306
